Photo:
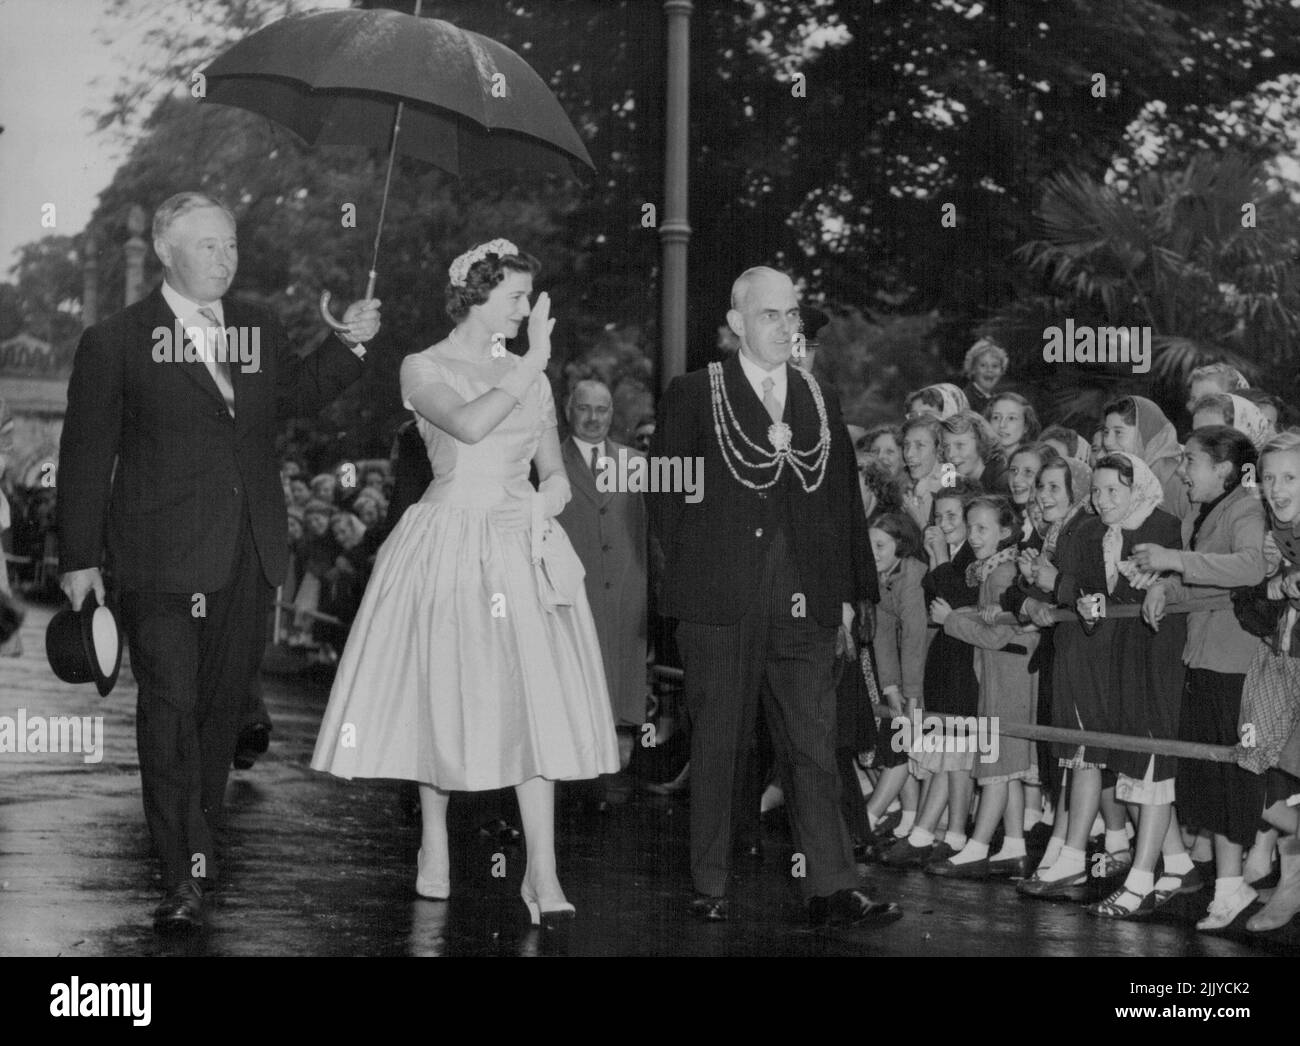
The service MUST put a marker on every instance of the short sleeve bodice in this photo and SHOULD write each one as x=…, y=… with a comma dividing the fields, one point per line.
x=495, y=469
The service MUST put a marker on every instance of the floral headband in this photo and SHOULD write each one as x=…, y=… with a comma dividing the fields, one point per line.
x=459, y=271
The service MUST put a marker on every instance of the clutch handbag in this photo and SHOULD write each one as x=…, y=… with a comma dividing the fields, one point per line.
x=557, y=567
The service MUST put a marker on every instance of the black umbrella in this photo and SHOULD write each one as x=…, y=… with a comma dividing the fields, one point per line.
x=419, y=86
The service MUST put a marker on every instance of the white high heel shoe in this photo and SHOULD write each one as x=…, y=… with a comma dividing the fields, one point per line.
x=432, y=882
x=544, y=917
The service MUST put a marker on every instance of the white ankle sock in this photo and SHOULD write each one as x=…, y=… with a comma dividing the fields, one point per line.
x=920, y=837
x=1069, y=863
x=1116, y=840
x=972, y=851
x=1011, y=848
x=1098, y=826
x=955, y=840
x=1228, y=886
x=1140, y=882
x=908, y=820
x=872, y=820
x=893, y=806
x=1178, y=864
x=1052, y=854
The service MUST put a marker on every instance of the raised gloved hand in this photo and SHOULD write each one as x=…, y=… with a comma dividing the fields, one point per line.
x=534, y=361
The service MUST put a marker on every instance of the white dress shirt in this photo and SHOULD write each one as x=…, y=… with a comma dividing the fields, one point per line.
x=187, y=312
x=586, y=448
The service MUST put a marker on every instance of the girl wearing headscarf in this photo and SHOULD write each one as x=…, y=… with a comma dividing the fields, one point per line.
x=1144, y=680
x=1236, y=412
x=1135, y=425
x=1068, y=443
x=942, y=400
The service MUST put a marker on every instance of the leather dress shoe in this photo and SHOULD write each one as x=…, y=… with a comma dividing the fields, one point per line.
x=966, y=870
x=1010, y=868
x=904, y=855
x=941, y=852
x=253, y=741
x=851, y=908
x=181, y=910
x=710, y=909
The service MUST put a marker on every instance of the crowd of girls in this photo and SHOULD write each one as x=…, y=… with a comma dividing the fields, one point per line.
x=1002, y=549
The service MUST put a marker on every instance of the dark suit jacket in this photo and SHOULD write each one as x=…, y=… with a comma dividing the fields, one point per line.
x=714, y=548
x=170, y=513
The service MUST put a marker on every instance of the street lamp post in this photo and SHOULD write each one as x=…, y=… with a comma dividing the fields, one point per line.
x=675, y=230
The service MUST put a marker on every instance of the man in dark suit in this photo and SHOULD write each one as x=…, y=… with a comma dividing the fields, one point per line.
x=608, y=531
x=167, y=463
x=607, y=527
x=762, y=575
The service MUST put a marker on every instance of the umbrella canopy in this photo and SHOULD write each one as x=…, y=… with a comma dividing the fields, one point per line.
x=336, y=78
x=417, y=86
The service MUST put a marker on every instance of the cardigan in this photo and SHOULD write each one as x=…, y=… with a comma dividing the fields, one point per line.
x=1229, y=554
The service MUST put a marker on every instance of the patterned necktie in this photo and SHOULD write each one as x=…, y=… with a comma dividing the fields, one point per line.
x=220, y=367
x=595, y=461
x=770, y=401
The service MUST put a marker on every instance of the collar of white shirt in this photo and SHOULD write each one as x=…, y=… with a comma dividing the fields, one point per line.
x=187, y=311
x=756, y=375
x=585, y=448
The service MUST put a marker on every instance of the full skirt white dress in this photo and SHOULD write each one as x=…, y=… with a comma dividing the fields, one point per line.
x=456, y=673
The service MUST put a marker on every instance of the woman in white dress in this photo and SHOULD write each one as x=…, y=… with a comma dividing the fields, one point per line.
x=473, y=661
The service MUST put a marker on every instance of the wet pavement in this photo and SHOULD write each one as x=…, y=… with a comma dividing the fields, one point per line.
x=317, y=866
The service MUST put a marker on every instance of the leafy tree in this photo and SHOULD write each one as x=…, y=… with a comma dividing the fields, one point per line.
x=1201, y=256
x=905, y=105
x=45, y=299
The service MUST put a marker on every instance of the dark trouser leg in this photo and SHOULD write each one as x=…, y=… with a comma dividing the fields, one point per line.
x=800, y=702
x=852, y=806
x=722, y=664
x=194, y=674
x=164, y=645
x=233, y=637
x=254, y=710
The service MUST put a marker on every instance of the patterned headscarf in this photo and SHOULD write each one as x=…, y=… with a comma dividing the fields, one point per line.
x=1249, y=420
x=1080, y=500
x=954, y=400
x=1147, y=495
x=1082, y=451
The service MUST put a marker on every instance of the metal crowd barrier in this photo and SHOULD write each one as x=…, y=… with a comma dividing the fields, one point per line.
x=1034, y=732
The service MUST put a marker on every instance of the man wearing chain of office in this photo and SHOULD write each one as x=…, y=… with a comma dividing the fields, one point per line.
x=762, y=575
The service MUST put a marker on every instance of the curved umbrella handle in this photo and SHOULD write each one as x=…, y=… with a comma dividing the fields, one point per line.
x=328, y=316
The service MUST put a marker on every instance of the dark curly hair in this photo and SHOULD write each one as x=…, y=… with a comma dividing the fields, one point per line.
x=883, y=484
x=484, y=275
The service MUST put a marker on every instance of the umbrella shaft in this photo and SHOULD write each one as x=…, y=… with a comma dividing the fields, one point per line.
x=383, y=204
